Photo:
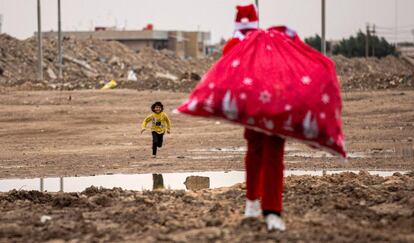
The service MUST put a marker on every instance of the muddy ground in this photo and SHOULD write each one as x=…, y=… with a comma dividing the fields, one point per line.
x=344, y=207
x=69, y=133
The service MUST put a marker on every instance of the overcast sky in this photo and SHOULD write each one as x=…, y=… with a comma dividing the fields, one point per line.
x=344, y=17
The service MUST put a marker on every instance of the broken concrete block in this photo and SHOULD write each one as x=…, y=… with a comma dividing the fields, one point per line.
x=197, y=182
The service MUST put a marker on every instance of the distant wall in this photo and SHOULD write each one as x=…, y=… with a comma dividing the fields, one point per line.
x=184, y=44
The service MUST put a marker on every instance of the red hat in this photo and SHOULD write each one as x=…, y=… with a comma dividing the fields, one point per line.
x=247, y=17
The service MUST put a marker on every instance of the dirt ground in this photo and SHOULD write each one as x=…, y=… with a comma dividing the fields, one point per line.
x=68, y=133
x=344, y=207
x=91, y=132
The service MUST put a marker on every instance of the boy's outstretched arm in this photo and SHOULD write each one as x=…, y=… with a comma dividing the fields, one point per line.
x=145, y=122
x=168, y=123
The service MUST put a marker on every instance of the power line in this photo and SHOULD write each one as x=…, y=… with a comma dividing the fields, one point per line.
x=393, y=31
x=398, y=27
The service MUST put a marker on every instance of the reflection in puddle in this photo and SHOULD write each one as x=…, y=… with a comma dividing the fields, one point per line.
x=138, y=182
x=157, y=182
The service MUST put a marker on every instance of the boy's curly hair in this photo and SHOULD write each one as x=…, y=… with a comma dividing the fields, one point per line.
x=158, y=103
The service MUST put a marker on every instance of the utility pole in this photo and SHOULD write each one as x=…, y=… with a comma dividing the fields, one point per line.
x=396, y=24
x=1, y=21
x=39, y=43
x=60, y=64
x=367, y=42
x=257, y=5
x=373, y=40
x=412, y=32
x=323, y=38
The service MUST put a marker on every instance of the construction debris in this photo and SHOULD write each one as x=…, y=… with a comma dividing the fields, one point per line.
x=374, y=73
x=88, y=63
x=132, y=75
x=91, y=63
x=197, y=182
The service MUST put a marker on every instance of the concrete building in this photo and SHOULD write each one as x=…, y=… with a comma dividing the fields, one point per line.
x=185, y=44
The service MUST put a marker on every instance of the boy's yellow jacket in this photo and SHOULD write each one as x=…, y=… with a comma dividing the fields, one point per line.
x=160, y=122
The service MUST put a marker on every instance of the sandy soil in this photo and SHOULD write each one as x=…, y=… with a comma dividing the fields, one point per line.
x=50, y=133
x=345, y=207
x=67, y=133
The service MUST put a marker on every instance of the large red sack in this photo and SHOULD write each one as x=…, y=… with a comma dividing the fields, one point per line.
x=274, y=83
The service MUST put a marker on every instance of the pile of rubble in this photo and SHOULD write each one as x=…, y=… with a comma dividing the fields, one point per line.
x=373, y=73
x=90, y=63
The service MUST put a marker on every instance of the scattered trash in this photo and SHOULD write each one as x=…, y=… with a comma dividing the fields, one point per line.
x=166, y=75
x=79, y=62
x=51, y=74
x=110, y=85
x=132, y=76
x=45, y=218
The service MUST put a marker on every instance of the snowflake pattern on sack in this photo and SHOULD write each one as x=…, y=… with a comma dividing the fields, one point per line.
x=291, y=91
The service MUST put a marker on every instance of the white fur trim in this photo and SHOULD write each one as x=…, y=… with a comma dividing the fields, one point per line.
x=247, y=25
x=239, y=35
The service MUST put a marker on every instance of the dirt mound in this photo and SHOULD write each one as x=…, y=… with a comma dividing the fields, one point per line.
x=344, y=207
x=89, y=63
x=32, y=196
x=374, y=73
x=17, y=58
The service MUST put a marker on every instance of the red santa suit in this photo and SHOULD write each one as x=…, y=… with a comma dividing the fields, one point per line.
x=264, y=157
x=277, y=87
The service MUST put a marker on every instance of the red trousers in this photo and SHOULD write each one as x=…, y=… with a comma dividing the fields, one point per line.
x=264, y=169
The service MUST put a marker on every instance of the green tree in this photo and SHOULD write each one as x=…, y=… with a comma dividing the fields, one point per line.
x=316, y=43
x=356, y=46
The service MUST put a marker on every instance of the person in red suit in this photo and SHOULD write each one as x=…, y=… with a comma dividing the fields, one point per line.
x=264, y=157
x=277, y=87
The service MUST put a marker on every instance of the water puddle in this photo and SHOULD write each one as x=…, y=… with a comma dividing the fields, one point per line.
x=292, y=151
x=139, y=182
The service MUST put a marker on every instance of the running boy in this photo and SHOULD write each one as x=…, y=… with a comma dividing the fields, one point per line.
x=160, y=124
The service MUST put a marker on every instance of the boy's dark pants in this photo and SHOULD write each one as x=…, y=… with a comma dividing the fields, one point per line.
x=156, y=142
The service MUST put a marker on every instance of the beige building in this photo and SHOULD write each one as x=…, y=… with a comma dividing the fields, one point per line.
x=185, y=44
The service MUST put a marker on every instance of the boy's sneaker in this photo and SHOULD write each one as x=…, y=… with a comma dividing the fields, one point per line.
x=274, y=222
x=154, y=156
x=252, y=208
